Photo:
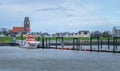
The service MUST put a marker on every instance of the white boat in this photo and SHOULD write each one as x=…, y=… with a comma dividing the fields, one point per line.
x=29, y=42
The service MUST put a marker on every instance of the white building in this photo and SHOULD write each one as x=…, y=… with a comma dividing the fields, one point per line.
x=83, y=34
x=116, y=32
x=66, y=34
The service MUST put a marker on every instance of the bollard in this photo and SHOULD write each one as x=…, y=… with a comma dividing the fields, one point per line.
x=73, y=43
x=56, y=42
x=114, y=45
x=46, y=42
x=39, y=39
x=108, y=43
x=43, y=43
x=98, y=43
x=90, y=43
x=21, y=38
x=101, y=43
x=62, y=44
x=77, y=44
x=49, y=42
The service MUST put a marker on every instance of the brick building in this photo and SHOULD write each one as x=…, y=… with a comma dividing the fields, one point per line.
x=24, y=29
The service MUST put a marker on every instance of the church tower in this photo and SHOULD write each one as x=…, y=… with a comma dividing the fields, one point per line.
x=27, y=24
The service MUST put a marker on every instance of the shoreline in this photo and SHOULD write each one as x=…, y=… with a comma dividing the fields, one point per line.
x=66, y=44
x=8, y=44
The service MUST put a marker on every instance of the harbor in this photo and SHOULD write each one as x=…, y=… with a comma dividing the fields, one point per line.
x=90, y=44
x=98, y=45
x=59, y=35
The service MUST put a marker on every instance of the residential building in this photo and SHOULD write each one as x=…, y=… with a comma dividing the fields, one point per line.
x=116, y=32
x=73, y=34
x=66, y=34
x=83, y=34
x=58, y=35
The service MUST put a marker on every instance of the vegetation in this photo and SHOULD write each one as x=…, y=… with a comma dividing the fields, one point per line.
x=10, y=39
x=5, y=39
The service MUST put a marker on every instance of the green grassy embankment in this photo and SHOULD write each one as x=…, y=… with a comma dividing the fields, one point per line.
x=9, y=39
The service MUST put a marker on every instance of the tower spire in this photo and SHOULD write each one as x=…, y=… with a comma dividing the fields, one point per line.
x=27, y=24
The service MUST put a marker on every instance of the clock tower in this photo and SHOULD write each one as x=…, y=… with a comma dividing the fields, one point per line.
x=27, y=24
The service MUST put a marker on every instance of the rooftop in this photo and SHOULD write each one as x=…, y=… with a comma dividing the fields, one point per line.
x=18, y=29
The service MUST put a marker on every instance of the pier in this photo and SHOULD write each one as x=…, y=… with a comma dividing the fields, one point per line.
x=93, y=44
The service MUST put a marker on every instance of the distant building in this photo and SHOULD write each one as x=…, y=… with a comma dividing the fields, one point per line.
x=18, y=29
x=45, y=34
x=37, y=34
x=24, y=29
x=73, y=35
x=3, y=32
x=96, y=34
x=58, y=34
x=83, y=34
x=66, y=34
x=116, y=32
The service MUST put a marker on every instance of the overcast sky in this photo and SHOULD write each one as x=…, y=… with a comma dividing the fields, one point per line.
x=61, y=15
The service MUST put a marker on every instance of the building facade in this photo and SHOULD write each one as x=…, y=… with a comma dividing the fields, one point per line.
x=116, y=32
x=67, y=34
x=24, y=29
x=83, y=34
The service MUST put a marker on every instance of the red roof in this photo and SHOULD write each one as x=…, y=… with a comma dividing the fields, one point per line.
x=18, y=29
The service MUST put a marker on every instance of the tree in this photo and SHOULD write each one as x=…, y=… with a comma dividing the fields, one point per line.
x=96, y=34
x=4, y=31
x=106, y=34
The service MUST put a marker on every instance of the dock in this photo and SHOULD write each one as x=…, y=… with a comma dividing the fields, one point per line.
x=99, y=45
x=77, y=44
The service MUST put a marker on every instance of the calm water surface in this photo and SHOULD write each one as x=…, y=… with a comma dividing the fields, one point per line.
x=20, y=59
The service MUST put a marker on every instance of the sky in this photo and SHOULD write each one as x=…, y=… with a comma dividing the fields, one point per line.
x=61, y=15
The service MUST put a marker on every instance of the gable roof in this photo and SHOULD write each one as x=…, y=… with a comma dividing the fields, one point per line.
x=18, y=29
x=84, y=31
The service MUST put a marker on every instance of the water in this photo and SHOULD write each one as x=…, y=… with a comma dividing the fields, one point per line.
x=20, y=59
x=94, y=47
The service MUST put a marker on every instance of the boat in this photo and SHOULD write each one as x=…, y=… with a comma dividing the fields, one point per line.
x=29, y=42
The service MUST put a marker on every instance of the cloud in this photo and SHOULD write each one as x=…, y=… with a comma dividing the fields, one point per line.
x=52, y=9
x=55, y=9
x=64, y=15
x=43, y=2
x=70, y=15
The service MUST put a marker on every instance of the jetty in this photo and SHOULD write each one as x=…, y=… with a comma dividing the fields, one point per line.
x=94, y=44
x=78, y=44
